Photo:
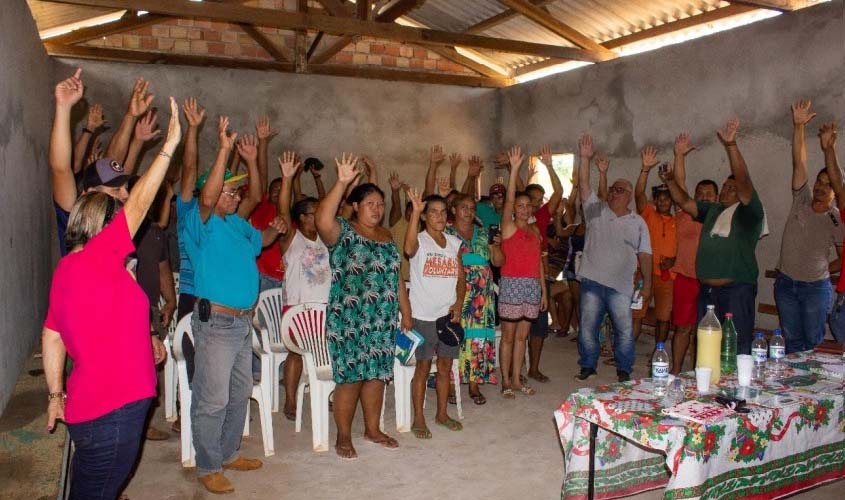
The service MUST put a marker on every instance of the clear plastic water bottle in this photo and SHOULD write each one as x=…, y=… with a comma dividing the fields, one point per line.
x=660, y=370
x=728, y=362
x=777, y=351
x=759, y=354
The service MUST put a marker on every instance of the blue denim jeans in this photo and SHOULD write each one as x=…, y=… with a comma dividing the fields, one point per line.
x=596, y=300
x=736, y=298
x=803, y=308
x=106, y=451
x=221, y=388
x=267, y=283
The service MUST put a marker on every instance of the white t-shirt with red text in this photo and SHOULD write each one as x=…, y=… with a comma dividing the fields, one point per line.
x=434, y=276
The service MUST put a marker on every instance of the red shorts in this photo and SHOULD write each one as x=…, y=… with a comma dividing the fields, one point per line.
x=685, y=301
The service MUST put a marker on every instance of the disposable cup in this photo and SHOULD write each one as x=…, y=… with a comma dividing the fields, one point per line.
x=702, y=379
x=744, y=369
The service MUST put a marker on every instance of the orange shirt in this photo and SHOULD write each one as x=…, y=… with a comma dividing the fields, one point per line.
x=664, y=238
x=689, y=232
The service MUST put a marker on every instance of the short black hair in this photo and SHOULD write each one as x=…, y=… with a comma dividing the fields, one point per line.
x=534, y=187
x=275, y=181
x=732, y=177
x=434, y=198
x=362, y=191
x=301, y=207
x=709, y=182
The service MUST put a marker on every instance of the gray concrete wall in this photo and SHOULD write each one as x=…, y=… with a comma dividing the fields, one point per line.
x=316, y=115
x=25, y=206
x=753, y=72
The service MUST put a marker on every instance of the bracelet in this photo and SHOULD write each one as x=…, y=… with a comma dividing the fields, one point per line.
x=730, y=143
x=165, y=154
x=86, y=129
x=57, y=395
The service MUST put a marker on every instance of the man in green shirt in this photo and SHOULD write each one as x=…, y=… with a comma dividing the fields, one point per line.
x=726, y=262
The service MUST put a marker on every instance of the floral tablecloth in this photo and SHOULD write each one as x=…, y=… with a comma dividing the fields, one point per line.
x=795, y=441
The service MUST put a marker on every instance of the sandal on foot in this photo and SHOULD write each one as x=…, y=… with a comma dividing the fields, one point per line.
x=388, y=442
x=508, y=393
x=346, y=452
x=421, y=432
x=478, y=399
x=451, y=424
x=539, y=378
x=290, y=415
x=452, y=400
x=528, y=391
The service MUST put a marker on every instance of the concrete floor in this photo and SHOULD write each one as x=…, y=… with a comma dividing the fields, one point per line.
x=507, y=450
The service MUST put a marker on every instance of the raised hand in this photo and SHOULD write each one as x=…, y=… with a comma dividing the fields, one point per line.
x=140, y=100
x=683, y=145
x=226, y=139
x=455, y=159
x=502, y=159
x=347, y=168
x=475, y=166
x=95, y=118
x=602, y=163
x=369, y=163
x=248, y=147
x=415, y=197
x=728, y=134
x=585, y=146
x=289, y=164
x=69, y=91
x=801, y=112
x=515, y=157
x=443, y=185
x=193, y=112
x=147, y=127
x=263, y=129
x=395, y=183
x=174, y=128
x=532, y=171
x=827, y=136
x=667, y=175
x=649, y=158
x=437, y=156
x=546, y=155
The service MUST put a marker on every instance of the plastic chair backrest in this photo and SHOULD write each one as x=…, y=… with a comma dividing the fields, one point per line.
x=270, y=304
x=304, y=331
x=182, y=328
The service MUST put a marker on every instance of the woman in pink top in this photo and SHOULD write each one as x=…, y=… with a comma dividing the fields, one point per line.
x=522, y=294
x=99, y=316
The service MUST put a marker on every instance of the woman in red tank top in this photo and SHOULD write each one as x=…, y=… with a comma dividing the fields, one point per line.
x=522, y=292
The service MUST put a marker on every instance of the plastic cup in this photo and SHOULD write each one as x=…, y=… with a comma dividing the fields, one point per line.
x=744, y=369
x=702, y=379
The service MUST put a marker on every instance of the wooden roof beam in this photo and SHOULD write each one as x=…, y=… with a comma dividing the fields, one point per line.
x=779, y=5
x=125, y=23
x=507, y=15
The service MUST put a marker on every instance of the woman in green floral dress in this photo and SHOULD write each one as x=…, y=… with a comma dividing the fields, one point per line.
x=362, y=313
x=477, y=361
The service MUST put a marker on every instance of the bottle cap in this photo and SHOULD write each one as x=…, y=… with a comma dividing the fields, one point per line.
x=777, y=331
x=759, y=335
x=661, y=346
x=711, y=307
x=729, y=315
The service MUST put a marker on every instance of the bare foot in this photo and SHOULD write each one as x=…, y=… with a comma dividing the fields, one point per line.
x=382, y=439
x=345, y=450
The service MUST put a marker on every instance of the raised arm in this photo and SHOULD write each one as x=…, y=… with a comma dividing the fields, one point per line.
x=194, y=115
x=557, y=187
x=515, y=159
x=602, y=164
x=827, y=138
x=455, y=160
x=265, y=134
x=248, y=150
x=412, y=242
x=213, y=186
x=145, y=130
x=67, y=93
x=163, y=215
x=679, y=196
x=744, y=187
x=93, y=123
x=436, y=158
x=146, y=188
x=327, y=225
x=801, y=116
x=318, y=183
x=474, y=167
x=372, y=169
x=585, y=154
x=289, y=165
x=649, y=160
x=395, y=199
x=682, y=148
x=139, y=103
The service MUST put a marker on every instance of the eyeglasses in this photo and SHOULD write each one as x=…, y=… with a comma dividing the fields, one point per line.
x=232, y=194
x=618, y=190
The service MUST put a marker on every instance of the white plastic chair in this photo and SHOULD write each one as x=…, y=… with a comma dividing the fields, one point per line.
x=402, y=377
x=261, y=393
x=170, y=376
x=304, y=332
x=269, y=314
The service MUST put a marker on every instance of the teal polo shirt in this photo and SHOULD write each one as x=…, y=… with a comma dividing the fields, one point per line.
x=488, y=215
x=223, y=252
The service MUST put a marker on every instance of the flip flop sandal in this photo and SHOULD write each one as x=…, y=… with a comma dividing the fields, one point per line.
x=338, y=448
x=540, y=378
x=389, y=443
x=528, y=391
x=421, y=432
x=508, y=394
x=478, y=399
x=291, y=415
x=451, y=424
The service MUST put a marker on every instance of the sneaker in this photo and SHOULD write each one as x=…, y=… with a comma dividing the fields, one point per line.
x=623, y=376
x=585, y=374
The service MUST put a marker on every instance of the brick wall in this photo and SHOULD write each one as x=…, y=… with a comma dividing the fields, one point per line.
x=210, y=38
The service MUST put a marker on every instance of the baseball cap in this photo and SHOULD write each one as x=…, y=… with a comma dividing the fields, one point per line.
x=104, y=172
x=497, y=189
x=227, y=178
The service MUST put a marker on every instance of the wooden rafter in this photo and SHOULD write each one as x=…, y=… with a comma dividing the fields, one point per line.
x=140, y=57
x=125, y=23
x=265, y=42
x=557, y=27
x=451, y=54
x=300, y=47
x=340, y=26
x=779, y=5
x=507, y=15
x=388, y=14
x=362, y=8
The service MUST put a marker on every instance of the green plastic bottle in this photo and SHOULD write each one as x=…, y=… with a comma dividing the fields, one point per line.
x=728, y=363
